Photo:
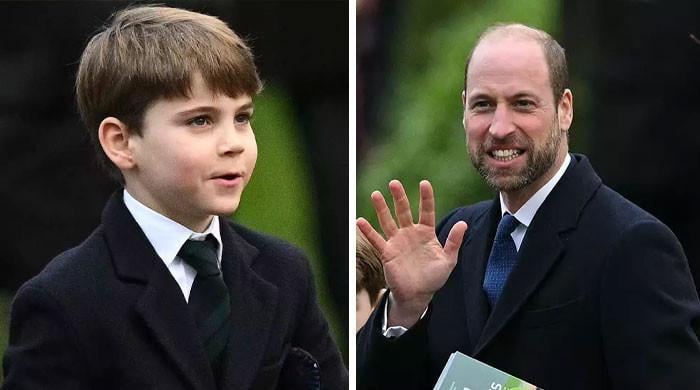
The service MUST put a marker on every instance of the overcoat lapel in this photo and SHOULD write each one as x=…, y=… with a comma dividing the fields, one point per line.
x=542, y=246
x=538, y=253
x=253, y=305
x=166, y=315
x=473, y=256
x=160, y=304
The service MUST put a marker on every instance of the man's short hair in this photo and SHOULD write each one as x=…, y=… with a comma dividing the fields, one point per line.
x=368, y=268
x=150, y=52
x=553, y=53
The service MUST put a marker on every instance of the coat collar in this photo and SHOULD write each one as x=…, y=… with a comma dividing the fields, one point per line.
x=160, y=304
x=542, y=246
x=165, y=312
x=473, y=254
x=253, y=305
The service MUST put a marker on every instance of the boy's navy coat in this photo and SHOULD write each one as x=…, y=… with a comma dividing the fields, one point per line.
x=108, y=314
x=601, y=298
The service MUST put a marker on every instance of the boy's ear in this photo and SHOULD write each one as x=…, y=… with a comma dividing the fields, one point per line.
x=114, y=137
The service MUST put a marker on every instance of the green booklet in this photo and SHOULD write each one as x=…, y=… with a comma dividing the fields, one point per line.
x=465, y=373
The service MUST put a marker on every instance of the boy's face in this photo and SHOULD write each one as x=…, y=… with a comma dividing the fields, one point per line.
x=194, y=157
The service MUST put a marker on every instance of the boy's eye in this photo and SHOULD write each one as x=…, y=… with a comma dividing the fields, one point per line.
x=243, y=118
x=199, y=121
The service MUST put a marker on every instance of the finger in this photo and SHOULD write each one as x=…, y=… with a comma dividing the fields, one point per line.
x=402, y=207
x=373, y=237
x=454, y=240
x=427, y=204
x=386, y=221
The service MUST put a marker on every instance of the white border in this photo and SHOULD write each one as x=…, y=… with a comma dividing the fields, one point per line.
x=352, y=154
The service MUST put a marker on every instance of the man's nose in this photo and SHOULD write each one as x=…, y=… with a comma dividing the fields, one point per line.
x=502, y=123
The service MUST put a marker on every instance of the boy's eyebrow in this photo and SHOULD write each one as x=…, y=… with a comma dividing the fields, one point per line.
x=247, y=106
x=211, y=109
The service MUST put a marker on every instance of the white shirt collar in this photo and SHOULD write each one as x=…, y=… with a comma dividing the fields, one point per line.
x=527, y=212
x=165, y=235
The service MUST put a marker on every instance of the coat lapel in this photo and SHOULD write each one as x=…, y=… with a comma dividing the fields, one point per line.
x=542, y=247
x=538, y=253
x=253, y=305
x=160, y=303
x=166, y=315
x=472, y=258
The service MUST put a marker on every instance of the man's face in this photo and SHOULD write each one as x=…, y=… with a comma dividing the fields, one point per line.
x=195, y=155
x=514, y=130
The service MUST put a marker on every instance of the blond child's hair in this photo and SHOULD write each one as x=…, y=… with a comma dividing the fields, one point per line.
x=369, y=269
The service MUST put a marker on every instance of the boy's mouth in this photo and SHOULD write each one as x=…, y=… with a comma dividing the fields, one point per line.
x=230, y=176
x=230, y=179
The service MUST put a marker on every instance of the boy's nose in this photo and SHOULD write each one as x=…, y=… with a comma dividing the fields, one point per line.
x=230, y=142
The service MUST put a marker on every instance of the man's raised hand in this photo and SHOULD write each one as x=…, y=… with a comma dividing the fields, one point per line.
x=415, y=264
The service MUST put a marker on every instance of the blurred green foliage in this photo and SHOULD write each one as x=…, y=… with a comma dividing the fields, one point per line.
x=279, y=197
x=420, y=135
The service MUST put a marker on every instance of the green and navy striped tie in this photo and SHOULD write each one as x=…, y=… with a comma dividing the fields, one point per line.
x=209, y=300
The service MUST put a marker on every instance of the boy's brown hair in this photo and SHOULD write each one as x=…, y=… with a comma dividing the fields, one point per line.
x=147, y=53
x=368, y=268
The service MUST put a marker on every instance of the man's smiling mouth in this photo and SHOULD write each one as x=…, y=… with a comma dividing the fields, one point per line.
x=505, y=154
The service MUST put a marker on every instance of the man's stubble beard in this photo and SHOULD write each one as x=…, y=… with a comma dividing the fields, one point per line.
x=539, y=161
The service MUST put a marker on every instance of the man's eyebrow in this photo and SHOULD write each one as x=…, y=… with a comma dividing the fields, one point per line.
x=525, y=94
x=517, y=95
x=478, y=96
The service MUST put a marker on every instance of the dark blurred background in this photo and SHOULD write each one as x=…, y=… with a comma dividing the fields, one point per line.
x=52, y=191
x=635, y=76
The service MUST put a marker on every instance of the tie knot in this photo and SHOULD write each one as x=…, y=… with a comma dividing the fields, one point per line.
x=201, y=255
x=507, y=225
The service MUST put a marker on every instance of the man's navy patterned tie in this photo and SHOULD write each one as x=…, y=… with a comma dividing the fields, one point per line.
x=209, y=299
x=502, y=259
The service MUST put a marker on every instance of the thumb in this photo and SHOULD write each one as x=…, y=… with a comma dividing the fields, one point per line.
x=454, y=240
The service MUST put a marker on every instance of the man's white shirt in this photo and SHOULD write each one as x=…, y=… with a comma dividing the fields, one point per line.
x=167, y=237
x=524, y=215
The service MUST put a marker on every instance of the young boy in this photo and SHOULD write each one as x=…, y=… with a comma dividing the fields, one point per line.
x=167, y=293
x=370, y=284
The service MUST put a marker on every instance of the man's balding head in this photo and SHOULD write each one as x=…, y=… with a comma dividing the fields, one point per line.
x=553, y=52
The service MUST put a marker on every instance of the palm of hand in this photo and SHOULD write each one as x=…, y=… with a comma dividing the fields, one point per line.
x=415, y=264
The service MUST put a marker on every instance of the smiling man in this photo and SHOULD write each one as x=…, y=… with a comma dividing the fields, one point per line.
x=559, y=280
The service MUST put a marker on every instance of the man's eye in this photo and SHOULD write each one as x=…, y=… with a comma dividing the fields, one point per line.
x=199, y=121
x=243, y=118
x=524, y=104
x=481, y=105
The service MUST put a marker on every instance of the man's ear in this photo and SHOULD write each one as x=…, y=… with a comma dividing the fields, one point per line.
x=565, y=110
x=114, y=137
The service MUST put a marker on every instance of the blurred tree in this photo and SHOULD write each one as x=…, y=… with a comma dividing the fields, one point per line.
x=643, y=72
x=290, y=212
